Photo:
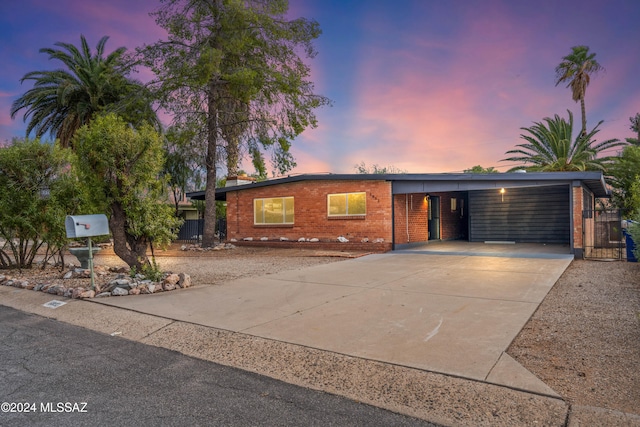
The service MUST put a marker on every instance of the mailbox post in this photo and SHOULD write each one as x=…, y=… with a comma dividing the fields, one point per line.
x=87, y=226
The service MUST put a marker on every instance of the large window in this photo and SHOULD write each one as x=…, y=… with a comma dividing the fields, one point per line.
x=277, y=210
x=347, y=204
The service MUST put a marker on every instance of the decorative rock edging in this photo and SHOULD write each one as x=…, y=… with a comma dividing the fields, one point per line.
x=220, y=247
x=340, y=239
x=121, y=285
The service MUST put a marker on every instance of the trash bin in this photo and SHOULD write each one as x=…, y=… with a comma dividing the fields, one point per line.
x=630, y=246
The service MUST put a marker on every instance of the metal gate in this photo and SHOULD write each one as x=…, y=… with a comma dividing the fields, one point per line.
x=191, y=231
x=602, y=235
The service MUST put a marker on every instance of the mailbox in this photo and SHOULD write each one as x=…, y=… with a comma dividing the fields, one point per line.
x=86, y=225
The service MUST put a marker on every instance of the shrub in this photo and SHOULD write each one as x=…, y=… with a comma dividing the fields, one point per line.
x=37, y=191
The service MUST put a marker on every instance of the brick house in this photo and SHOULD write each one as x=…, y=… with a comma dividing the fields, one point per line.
x=395, y=211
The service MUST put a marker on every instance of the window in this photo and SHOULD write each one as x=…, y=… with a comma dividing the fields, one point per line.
x=347, y=204
x=277, y=210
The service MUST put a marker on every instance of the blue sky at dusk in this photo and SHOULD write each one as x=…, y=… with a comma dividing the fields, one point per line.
x=427, y=86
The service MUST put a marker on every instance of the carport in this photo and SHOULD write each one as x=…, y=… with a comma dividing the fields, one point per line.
x=506, y=208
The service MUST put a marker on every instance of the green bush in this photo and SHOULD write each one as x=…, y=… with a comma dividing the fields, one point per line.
x=37, y=191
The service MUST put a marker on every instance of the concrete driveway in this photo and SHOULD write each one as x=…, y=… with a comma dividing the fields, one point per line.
x=439, y=308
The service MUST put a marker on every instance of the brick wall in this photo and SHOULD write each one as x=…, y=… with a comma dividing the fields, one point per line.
x=411, y=208
x=310, y=212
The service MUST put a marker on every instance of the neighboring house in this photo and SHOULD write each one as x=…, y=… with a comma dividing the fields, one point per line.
x=186, y=210
x=395, y=211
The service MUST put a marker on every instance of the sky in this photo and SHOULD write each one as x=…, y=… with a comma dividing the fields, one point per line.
x=425, y=86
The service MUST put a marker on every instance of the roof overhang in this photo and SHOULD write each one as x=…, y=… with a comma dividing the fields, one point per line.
x=425, y=183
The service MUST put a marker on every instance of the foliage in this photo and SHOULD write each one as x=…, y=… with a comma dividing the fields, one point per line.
x=623, y=175
x=480, y=169
x=63, y=100
x=233, y=69
x=550, y=147
x=120, y=167
x=37, y=191
x=362, y=168
x=634, y=231
x=635, y=126
x=182, y=163
x=152, y=271
x=575, y=70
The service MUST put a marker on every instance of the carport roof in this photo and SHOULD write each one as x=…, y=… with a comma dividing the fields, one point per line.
x=439, y=182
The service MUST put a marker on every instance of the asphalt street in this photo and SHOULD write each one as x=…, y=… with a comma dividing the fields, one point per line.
x=55, y=374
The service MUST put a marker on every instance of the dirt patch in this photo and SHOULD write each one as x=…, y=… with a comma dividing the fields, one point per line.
x=584, y=339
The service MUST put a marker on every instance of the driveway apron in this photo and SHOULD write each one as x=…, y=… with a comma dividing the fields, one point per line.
x=450, y=312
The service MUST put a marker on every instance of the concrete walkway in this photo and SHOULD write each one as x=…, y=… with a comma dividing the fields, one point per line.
x=453, y=312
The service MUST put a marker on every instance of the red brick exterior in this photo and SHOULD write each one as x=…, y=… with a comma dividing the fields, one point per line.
x=311, y=219
x=414, y=207
x=407, y=222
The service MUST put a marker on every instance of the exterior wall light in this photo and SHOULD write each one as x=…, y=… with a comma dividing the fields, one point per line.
x=502, y=191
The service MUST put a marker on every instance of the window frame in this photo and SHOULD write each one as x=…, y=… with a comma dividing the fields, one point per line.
x=284, y=211
x=346, y=214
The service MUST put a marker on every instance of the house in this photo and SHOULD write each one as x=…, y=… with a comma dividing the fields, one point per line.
x=382, y=212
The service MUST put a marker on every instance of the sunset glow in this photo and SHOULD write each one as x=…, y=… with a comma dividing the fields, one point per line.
x=426, y=86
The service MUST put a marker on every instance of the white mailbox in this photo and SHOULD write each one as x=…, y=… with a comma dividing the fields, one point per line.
x=86, y=225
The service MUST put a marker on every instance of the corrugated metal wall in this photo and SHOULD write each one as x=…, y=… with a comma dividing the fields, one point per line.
x=534, y=214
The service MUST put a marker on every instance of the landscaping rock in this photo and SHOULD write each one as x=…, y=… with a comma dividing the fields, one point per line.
x=172, y=279
x=185, y=280
x=134, y=291
x=87, y=294
x=119, y=292
x=168, y=286
x=342, y=239
x=103, y=294
x=314, y=240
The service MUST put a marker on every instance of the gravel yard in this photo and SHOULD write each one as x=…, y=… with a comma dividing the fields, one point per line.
x=583, y=341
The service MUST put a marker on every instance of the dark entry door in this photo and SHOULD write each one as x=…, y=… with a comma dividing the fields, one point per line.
x=434, y=218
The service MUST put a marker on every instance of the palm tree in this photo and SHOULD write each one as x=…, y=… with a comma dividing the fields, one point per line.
x=550, y=147
x=576, y=69
x=63, y=100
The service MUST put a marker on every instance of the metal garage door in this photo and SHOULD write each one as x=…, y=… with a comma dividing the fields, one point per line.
x=534, y=214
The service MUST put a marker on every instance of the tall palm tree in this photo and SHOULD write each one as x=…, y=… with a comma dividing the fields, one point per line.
x=63, y=100
x=576, y=69
x=550, y=147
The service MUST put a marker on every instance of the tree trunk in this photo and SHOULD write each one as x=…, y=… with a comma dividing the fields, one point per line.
x=584, y=117
x=209, y=232
x=131, y=250
x=233, y=156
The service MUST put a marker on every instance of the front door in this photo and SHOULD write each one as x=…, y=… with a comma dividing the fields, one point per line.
x=434, y=218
